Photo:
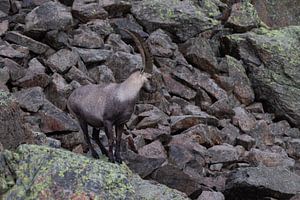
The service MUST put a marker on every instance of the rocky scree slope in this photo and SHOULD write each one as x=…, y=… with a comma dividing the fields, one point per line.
x=223, y=124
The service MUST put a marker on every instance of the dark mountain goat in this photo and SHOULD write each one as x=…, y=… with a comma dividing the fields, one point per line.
x=108, y=105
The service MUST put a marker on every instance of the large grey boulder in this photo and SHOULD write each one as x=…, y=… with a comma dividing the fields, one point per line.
x=39, y=172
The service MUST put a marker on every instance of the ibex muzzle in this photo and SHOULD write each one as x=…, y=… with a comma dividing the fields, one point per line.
x=111, y=105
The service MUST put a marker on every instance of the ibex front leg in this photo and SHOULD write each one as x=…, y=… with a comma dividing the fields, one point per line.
x=119, y=131
x=84, y=127
x=110, y=136
x=98, y=141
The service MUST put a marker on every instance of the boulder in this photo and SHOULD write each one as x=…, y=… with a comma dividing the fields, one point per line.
x=117, y=44
x=31, y=44
x=102, y=74
x=153, y=150
x=85, y=10
x=208, y=195
x=5, y=6
x=182, y=18
x=276, y=81
x=48, y=16
x=260, y=182
x=74, y=176
x=90, y=56
x=243, y=119
x=101, y=27
x=31, y=99
x=13, y=130
x=86, y=38
x=77, y=75
x=224, y=153
x=62, y=60
x=9, y=52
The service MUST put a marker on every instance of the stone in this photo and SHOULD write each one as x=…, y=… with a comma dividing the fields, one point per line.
x=5, y=6
x=191, y=110
x=199, y=53
x=141, y=165
x=229, y=133
x=276, y=182
x=31, y=44
x=179, y=123
x=178, y=89
x=161, y=44
x=75, y=176
x=153, y=150
x=4, y=75
x=42, y=139
x=122, y=63
x=199, y=80
x=151, y=118
x=62, y=60
x=180, y=156
x=93, y=55
x=58, y=91
x=262, y=134
x=35, y=75
x=222, y=108
x=41, y=18
x=117, y=44
x=85, y=38
x=208, y=195
x=277, y=14
x=116, y=8
x=279, y=128
x=3, y=27
x=174, y=177
x=70, y=140
x=101, y=27
x=76, y=74
x=151, y=134
x=15, y=71
x=243, y=119
x=31, y=99
x=256, y=107
x=13, y=130
x=243, y=17
x=10, y=52
x=102, y=74
x=246, y=141
x=55, y=120
x=270, y=158
x=224, y=153
x=293, y=148
x=85, y=10
x=242, y=86
x=201, y=134
x=57, y=39
x=276, y=81
x=183, y=18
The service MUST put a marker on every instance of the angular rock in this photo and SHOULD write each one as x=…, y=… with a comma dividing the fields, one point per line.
x=180, y=156
x=293, y=148
x=58, y=91
x=224, y=153
x=31, y=99
x=243, y=17
x=117, y=44
x=199, y=80
x=101, y=27
x=55, y=120
x=276, y=81
x=10, y=52
x=102, y=74
x=116, y=8
x=153, y=150
x=5, y=6
x=191, y=110
x=174, y=177
x=76, y=177
x=183, y=18
x=122, y=63
x=243, y=119
x=179, y=123
x=208, y=195
x=276, y=182
x=93, y=55
x=255, y=108
x=141, y=165
x=151, y=134
x=199, y=53
x=42, y=18
x=279, y=128
x=57, y=39
x=262, y=134
x=85, y=10
x=278, y=14
x=86, y=38
x=222, y=108
x=178, y=89
x=270, y=159
x=200, y=134
x=14, y=69
x=70, y=140
x=34, y=76
x=62, y=60
x=229, y=134
x=31, y=44
x=76, y=74
x=13, y=130
x=161, y=44
x=151, y=118
x=4, y=75
x=246, y=141
x=42, y=139
x=3, y=27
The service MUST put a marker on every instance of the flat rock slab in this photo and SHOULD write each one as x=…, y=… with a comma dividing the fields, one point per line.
x=31, y=44
x=58, y=174
x=259, y=182
x=62, y=60
x=31, y=99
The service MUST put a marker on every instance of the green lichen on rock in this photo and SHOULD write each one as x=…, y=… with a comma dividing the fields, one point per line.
x=45, y=173
x=5, y=97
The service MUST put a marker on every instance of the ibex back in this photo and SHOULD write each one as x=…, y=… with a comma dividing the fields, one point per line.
x=112, y=104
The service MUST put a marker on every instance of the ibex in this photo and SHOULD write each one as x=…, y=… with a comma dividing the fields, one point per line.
x=112, y=104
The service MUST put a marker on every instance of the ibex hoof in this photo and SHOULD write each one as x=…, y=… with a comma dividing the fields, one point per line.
x=95, y=155
x=119, y=160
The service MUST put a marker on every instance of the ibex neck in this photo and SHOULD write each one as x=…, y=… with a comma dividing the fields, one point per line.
x=129, y=89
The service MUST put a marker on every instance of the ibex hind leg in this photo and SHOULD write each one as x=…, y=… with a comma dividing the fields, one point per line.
x=119, y=131
x=97, y=140
x=84, y=127
x=110, y=136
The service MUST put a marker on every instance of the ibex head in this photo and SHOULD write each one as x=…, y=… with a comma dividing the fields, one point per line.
x=144, y=75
